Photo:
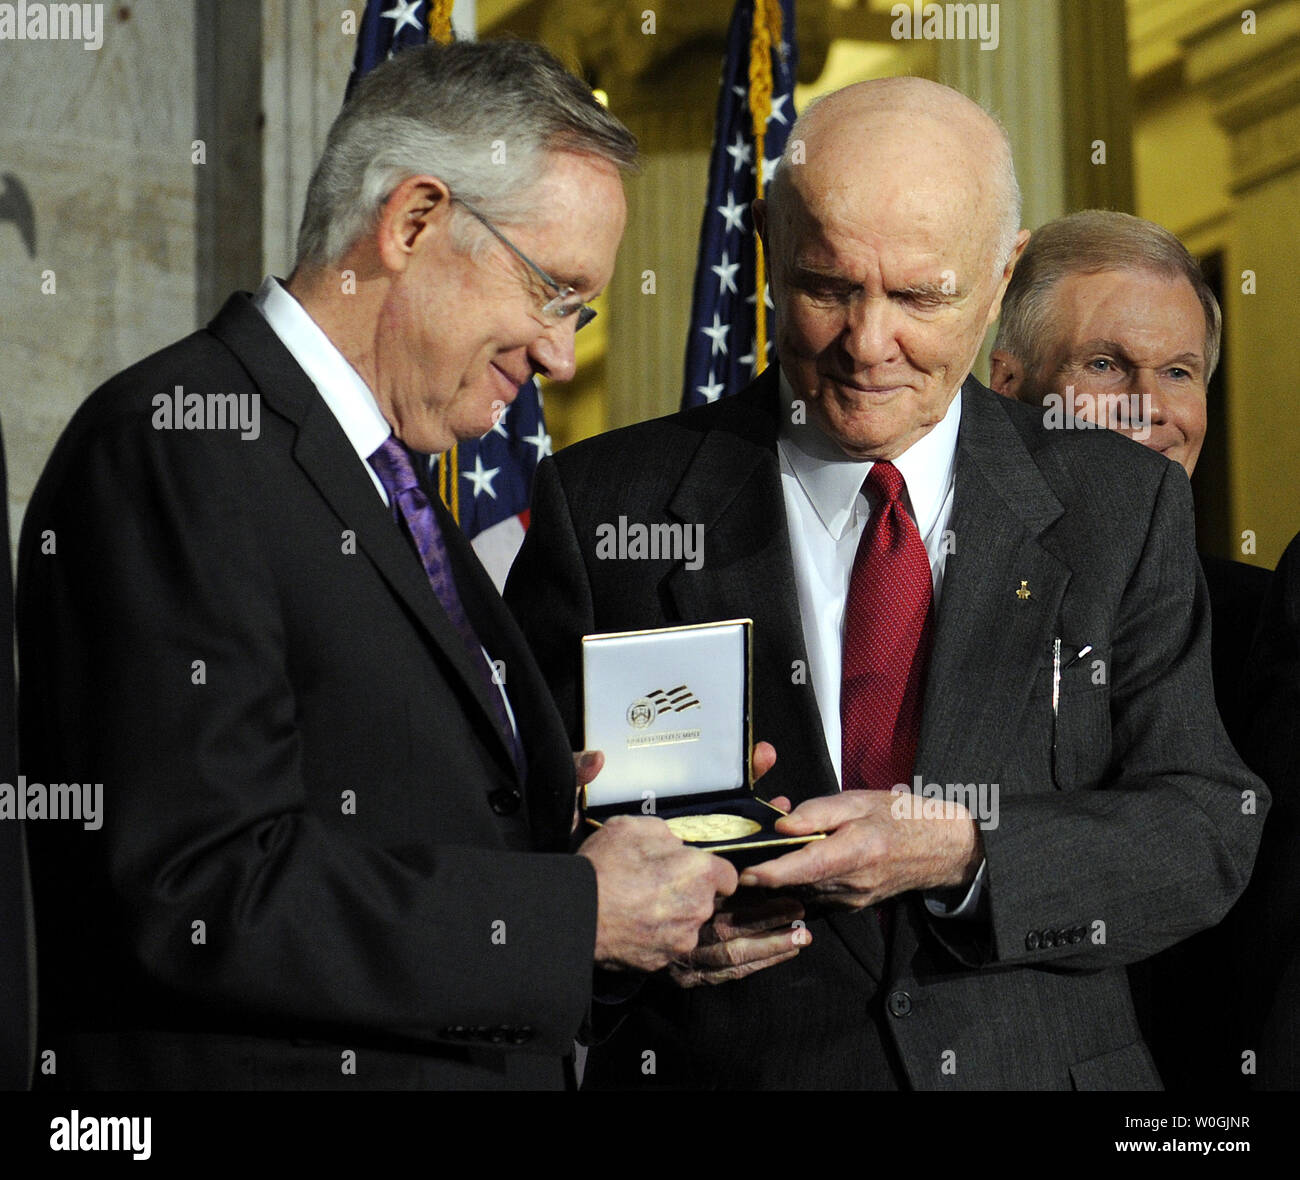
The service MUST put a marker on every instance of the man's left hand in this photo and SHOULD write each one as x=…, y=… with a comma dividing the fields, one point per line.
x=878, y=845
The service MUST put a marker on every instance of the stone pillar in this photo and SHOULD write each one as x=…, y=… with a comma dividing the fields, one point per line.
x=1058, y=80
x=228, y=206
x=1252, y=79
x=307, y=58
x=97, y=232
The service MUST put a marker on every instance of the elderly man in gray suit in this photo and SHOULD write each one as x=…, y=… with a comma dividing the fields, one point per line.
x=981, y=651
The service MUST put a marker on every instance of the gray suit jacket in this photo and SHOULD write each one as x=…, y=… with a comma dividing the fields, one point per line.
x=1122, y=825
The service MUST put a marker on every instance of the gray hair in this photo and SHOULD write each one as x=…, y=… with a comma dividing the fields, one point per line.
x=1088, y=242
x=481, y=116
x=1008, y=197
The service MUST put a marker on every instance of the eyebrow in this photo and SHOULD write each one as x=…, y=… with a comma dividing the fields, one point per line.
x=928, y=290
x=805, y=272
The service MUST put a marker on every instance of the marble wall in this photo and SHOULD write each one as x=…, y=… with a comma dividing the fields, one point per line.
x=118, y=234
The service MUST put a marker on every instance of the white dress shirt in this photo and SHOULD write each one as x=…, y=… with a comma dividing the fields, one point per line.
x=826, y=513
x=342, y=389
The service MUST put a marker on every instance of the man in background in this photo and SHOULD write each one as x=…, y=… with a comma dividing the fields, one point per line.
x=1109, y=315
x=1108, y=319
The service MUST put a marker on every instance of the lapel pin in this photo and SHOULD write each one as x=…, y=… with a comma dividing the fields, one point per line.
x=1024, y=592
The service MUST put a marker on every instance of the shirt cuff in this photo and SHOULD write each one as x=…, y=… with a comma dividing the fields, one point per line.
x=949, y=903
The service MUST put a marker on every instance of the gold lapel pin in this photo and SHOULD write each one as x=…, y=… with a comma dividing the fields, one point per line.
x=1024, y=592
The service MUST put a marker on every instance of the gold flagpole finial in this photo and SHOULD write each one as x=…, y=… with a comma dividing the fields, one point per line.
x=766, y=33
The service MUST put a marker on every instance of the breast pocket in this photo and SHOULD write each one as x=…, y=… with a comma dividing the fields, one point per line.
x=1081, y=737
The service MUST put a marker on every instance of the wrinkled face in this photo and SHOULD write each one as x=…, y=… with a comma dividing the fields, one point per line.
x=460, y=332
x=1131, y=343
x=883, y=291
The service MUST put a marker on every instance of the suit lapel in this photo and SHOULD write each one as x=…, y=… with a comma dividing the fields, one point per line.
x=548, y=769
x=989, y=640
x=328, y=460
x=733, y=488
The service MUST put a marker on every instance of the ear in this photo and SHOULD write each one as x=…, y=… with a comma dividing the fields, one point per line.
x=1022, y=240
x=414, y=216
x=1006, y=373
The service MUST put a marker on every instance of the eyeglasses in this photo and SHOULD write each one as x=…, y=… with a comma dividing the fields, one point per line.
x=566, y=300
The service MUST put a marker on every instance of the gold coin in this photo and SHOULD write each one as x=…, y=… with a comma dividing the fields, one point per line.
x=705, y=829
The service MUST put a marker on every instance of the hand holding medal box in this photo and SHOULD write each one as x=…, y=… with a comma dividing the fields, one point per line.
x=671, y=709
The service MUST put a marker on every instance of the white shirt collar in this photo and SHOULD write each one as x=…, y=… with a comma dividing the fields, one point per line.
x=832, y=481
x=340, y=385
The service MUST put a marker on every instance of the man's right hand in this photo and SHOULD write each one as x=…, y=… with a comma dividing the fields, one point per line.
x=654, y=892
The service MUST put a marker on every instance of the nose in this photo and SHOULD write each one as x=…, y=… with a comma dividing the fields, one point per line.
x=870, y=335
x=551, y=351
x=1151, y=400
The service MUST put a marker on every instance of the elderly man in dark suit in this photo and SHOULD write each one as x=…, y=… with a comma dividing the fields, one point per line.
x=1109, y=318
x=337, y=798
x=981, y=653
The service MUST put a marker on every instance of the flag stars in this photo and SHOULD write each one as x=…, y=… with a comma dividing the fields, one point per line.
x=741, y=153
x=403, y=14
x=778, y=101
x=718, y=334
x=541, y=440
x=499, y=426
x=749, y=357
x=711, y=390
x=726, y=275
x=482, y=479
x=733, y=213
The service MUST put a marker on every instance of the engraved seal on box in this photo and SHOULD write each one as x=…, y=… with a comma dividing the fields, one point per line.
x=641, y=712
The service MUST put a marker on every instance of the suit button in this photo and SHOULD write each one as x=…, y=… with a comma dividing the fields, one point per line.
x=900, y=1003
x=497, y=1036
x=1078, y=934
x=504, y=801
x=521, y=1036
x=1032, y=940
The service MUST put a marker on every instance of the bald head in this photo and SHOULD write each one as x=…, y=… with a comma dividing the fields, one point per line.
x=891, y=228
x=930, y=146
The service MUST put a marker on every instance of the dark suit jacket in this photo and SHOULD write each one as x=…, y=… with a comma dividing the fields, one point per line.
x=1131, y=837
x=1190, y=1005
x=314, y=838
x=15, y=906
x=1237, y=593
x=1267, y=982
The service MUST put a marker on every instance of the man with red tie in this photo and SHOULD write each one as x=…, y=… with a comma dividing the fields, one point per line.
x=981, y=650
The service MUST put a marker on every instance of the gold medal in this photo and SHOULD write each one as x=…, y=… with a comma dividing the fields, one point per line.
x=706, y=829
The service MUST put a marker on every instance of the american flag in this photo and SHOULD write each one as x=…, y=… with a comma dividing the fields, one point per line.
x=677, y=699
x=720, y=350
x=487, y=482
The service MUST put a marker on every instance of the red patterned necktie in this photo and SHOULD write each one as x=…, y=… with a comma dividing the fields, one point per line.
x=887, y=635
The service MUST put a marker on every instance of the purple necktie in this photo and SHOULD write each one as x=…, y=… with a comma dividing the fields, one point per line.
x=392, y=463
